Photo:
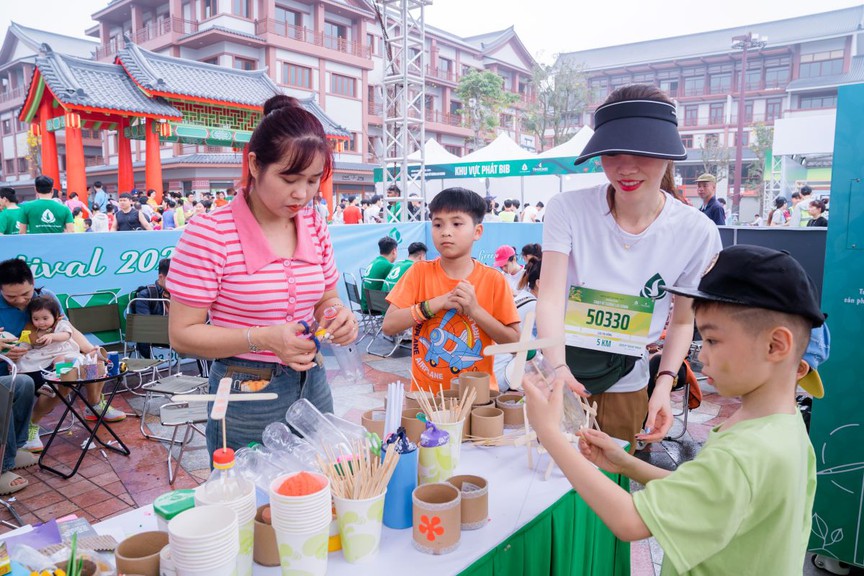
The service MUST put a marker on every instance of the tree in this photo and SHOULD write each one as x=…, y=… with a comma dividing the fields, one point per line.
x=562, y=95
x=715, y=157
x=761, y=140
x=34, y=154
x=483, y=98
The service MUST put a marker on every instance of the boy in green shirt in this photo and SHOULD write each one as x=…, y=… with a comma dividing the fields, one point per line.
x=44, y=215
x=379, y=268
x=416, y=253
x=11, y=212
x=744, y=504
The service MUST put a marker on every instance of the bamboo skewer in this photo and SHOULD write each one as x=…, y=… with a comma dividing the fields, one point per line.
x=360, y=475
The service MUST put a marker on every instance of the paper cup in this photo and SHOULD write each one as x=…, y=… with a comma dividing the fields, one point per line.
x=303, y=553
x=266, y=551
x=435, y=464
x=475, y=503
x=437, y=518
x=479, y=381
x=373, y=421
x=455, y=431
x=487, y=422
x=166, y=562
x=205, y=540
x=514, y=417
x=139, y=554
x=245, y=507
x=360, y=523
x=413, y=426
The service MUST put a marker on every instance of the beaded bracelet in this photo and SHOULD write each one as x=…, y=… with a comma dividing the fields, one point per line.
x=426, y=309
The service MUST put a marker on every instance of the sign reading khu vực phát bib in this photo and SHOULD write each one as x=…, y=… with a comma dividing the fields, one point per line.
x=607, y=321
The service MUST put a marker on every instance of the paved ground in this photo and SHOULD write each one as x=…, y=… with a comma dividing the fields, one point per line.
x=109, y=484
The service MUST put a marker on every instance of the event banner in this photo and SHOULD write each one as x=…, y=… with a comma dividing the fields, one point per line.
x=500, y=169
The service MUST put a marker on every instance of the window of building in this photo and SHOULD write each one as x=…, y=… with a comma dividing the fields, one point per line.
x=455, y=107
x=242, y=8
x=620, y=81
x=644, y=78
x=694, y=86
x=773, y=109
x=748, y=111
x=9, y=166
x=670, y=87
x=445, y=64
x=823, y=68
x=295, y=75
x=210, y=8
x=372, y=43
x=687, y=140
x=214, y=61
x=343, y=85
x=244, y=64
x=335, y=35
x=691, y=115
x=745, y=138
x=23, y=165
x=457, y=150
x=599, y=89
x=7, y=126
x=712, y=139
x=506, y=121
x=818, y=101
x=288, y=16
x=716, y=113
x=753, y=79
x=720, y=83
x=777, y=76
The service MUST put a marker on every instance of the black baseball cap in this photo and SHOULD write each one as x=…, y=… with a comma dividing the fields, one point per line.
x=758, y=277
x=635, y=127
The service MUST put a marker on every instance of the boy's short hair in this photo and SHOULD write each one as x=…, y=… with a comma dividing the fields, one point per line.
x=767, y=286
x=98, y=184
x=44, y=184
x=164, y=266
x=416, y=248
x=386, y=245
x=459, y=200
x=8, y=193
x=796, y=195
x=806, y=190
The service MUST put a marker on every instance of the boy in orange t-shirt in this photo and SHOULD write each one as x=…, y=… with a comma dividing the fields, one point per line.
x=456, y=305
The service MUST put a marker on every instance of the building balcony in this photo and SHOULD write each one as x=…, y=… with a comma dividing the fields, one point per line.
x=309, y=36
x=444, y=118
x=375, y=108
x=442, y=74
x=153, y=30
x=12, y=96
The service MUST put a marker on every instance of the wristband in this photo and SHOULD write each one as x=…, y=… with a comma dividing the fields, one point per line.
x=426, y=308
x=252, y=347
x=416, y=314
x=673, y=375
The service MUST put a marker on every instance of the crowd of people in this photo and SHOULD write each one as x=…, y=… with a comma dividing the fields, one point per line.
x=251, y=282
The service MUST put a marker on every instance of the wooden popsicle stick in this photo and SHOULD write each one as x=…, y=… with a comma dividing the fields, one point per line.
x=234, y=397
x=514, y=347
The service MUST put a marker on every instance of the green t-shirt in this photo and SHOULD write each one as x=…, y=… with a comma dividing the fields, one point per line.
x=394, y=212
x=45, y=216
x=9, y=219
x=396, y=272
x=742, y=506
x=376, y=272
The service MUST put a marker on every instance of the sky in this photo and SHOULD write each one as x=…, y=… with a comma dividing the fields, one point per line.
x=546, y=27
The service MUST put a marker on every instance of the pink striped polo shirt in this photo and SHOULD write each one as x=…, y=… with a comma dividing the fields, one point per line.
x=224, y=263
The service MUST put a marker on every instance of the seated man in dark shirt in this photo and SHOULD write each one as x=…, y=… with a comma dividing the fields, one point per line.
x=153, y=306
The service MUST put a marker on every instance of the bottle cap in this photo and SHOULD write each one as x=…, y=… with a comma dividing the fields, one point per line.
x=330, y=312
x=223, y=458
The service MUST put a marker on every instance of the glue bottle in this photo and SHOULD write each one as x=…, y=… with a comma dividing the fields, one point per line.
x=540, y=373
x=225, y=483
x=347, y=355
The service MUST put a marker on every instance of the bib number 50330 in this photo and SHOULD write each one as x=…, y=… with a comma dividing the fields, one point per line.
x=603, y=319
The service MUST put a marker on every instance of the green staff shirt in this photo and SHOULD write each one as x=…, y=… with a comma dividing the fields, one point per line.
x=9, y=219
x=45, y=216
x=396, y=272
x=376, y=272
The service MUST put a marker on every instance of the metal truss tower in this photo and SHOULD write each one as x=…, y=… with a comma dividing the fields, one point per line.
x=404, y=103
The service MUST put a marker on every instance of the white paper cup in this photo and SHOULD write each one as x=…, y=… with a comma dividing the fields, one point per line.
x=455, y=431
x=303, y=553
x=300, y=514
x=245, y=507
x=204, y=539
x=360, y=523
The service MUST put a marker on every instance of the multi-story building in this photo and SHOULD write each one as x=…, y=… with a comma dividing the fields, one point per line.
x=796, y=74
x=329, y=50
x=17, y=57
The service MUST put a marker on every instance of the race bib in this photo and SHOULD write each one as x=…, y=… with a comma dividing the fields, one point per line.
x=607, y=321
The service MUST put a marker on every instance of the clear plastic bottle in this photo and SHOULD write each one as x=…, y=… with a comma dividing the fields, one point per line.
x=225, y=483
x=304, y=417
x=255, y=467
x=541, y=374
x=347, y=355
x=279, y=439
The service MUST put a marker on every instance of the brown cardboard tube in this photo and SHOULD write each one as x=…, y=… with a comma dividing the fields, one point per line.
x=139, y=554
x=437, y=518
x=487, y=422
x=373, y=421
x=477, y=380
x=475, y=503
x=265, y=551
x=513, y=415
x=413, y=426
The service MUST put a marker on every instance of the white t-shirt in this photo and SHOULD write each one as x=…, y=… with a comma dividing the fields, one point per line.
x=372, y=215
x=525, y=302
x=675, y=250
x=779, y=217
x=513, y=279
x=529, y=214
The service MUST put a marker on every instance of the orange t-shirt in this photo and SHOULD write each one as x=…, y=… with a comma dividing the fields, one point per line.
x=451, y=343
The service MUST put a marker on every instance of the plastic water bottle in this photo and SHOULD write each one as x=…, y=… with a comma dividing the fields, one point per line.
x=348, y=356
x=225, y=483
x=542, y=375
x=304, y=417
x=279, y=439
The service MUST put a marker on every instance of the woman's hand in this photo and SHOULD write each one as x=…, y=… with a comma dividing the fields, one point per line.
x=343, y=328
x=659, y=419
x=289, y=343
x=602, y=451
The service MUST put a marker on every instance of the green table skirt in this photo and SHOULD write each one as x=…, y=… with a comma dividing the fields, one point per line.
x=567, y=539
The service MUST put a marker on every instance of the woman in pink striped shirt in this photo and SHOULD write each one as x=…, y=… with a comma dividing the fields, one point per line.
x=258, y=267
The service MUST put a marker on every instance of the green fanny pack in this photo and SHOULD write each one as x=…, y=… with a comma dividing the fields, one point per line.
x=598, y=370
